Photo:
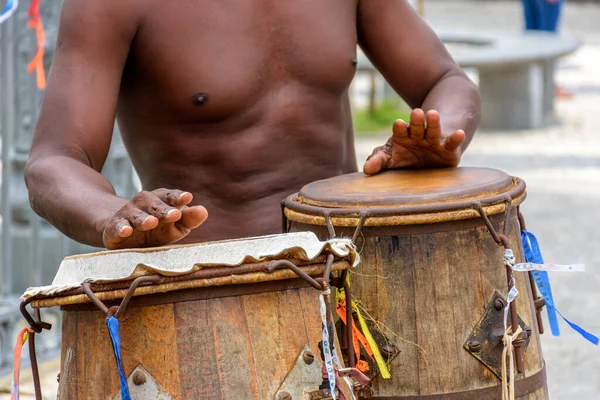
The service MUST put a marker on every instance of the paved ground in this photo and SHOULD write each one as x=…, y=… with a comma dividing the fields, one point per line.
x=561, y=166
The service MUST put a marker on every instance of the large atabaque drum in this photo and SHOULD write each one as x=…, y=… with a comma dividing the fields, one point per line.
x=432, y=274
x=226, y=320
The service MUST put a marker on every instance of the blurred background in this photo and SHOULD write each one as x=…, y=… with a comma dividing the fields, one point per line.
x=541, y=100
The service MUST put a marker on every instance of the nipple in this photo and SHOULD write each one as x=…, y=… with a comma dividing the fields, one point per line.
x=200, y=98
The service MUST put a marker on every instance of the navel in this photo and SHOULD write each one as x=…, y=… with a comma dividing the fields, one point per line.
x=199, y=98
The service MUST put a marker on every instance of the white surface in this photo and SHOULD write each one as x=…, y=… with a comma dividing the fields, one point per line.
x=114, y=266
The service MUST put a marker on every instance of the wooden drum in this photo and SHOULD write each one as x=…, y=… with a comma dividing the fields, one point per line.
x=224, y=320
x=432, y=275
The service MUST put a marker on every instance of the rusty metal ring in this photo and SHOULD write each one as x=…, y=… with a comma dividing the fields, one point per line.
x=136, y=282
x=330, y=227
x=280, y=264
x=508, y=213
x=328, y=266
x=36, y=326
x=116, y=311
x=90, y=294
x=323, y=284
x=363, y=216
x=504, y=240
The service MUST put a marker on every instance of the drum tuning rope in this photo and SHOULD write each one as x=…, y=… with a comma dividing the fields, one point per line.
x=508, y=391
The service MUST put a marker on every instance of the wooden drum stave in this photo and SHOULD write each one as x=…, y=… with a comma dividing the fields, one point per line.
x=432, y=274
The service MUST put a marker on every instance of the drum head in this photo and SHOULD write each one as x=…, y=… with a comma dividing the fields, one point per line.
x=396, y=193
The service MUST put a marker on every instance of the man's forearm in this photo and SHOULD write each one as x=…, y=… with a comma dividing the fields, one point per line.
x=457, y=100
x=72, y=196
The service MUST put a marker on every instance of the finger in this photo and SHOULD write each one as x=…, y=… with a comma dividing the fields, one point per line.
x=454, y=141
x=433, y=131
x=417, y=124
x=376, y=162
x=118, y=228
x=174, y=197
x=152, y=205
x=139, y=219
x=192, y=217
x=400, y=131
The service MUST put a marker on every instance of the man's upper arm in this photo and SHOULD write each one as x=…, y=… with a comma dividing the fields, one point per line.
x=79, y=105
x=402, y=47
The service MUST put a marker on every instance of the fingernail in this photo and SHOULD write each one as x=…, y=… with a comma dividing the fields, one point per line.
x=184, y=194
x=171, y=211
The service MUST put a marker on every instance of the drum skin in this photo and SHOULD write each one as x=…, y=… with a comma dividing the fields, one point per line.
x=429, y=283
x=229, y=347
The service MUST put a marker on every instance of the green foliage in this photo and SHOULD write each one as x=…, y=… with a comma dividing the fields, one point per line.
x=380, y=119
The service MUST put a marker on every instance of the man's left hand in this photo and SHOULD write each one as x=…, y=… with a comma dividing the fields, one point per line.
x=419, y=144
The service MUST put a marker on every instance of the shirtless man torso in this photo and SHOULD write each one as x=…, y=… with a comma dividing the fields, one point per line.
x=226, y=107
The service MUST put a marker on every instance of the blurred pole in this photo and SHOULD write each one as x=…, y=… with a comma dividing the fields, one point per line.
x=7, y=122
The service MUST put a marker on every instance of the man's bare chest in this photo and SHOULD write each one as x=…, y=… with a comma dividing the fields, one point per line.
x=219, y=56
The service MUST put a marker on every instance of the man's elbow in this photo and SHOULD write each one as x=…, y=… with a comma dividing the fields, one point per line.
x=467, y=88
x=33, y=176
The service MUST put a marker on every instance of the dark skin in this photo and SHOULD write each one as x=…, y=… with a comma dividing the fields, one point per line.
x=226, y=107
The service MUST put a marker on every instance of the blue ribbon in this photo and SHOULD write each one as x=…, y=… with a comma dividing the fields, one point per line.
x=113, y=330
x=9, y=9
x=533, y=254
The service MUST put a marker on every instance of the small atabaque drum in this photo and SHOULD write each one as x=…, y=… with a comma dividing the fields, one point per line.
x=432, y=277
x=225, y=320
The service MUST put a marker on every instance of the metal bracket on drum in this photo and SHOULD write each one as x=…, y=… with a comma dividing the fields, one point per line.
x=486, y=340
x=302, y=379
x=143, y=386
x=307, y=374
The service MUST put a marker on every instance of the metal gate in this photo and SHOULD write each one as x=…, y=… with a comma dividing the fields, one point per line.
x=31, y=248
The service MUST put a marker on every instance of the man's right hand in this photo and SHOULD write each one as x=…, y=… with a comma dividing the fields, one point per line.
x=155, y=218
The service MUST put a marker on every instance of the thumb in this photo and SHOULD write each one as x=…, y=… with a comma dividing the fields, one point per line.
x=376, y=162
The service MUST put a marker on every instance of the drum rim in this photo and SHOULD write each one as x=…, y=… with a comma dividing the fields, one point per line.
x=193, y=281
x=406, y=214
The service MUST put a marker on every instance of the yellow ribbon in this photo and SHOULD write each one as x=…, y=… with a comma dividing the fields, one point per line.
x=383, y=369
x=385, y=373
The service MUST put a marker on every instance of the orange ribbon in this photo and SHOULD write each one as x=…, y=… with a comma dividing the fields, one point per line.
x=357, y=337
x=37, y=63
x=21, y=339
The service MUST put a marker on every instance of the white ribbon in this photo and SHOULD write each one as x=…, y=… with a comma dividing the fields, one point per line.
x=524, y=267
x=329, y=366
